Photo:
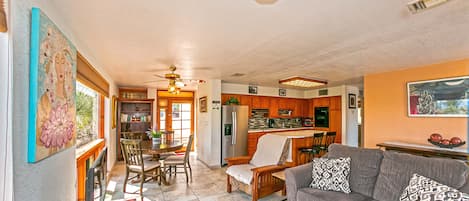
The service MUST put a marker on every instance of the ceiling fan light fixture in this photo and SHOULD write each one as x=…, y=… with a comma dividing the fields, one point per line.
x=302, y=82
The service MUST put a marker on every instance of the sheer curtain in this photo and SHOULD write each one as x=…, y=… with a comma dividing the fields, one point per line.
x=6, y=161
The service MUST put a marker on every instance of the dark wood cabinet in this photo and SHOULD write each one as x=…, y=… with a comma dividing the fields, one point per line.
x=133, y=116
x=274, y=106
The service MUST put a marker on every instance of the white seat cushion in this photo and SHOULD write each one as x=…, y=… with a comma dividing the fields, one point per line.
x=175, y=158
x=269, y=150
x=241, y=173
x=147, y=165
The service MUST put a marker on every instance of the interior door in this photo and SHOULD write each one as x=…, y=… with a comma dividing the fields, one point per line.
x=180, y=120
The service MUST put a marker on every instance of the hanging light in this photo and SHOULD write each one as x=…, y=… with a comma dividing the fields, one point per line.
x=172, y=86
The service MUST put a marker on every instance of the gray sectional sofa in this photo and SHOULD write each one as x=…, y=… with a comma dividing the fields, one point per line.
x=376, y=175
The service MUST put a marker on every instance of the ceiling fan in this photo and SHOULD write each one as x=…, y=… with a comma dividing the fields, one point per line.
x=175, y=80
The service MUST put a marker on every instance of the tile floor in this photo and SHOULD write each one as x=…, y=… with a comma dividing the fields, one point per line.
x=207, y=185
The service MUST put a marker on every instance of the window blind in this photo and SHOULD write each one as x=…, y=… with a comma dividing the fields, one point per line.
x=3, y=16
x=88, y=76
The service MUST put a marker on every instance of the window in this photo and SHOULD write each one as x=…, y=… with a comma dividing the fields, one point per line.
x=87, y=104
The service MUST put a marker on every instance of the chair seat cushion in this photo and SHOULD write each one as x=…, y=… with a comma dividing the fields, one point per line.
x=311, y=194
x=241, y=173
x=175, y=158
x=147, y=165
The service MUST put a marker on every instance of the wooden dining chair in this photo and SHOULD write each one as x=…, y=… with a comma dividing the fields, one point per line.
x=134, y=163
x=180, y=161
x=315, y=148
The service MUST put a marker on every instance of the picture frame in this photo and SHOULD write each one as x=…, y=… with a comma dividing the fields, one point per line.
x=282, y=92
x=252, y=89
x=352, y=101
x=447, y=97
x=203, y=104
x=114, y=111
x=52, y=126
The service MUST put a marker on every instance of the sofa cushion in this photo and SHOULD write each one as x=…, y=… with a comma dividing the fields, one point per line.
x=331, y=174
x=421, y=188
x=398, y=168
x=364, y=169
x=311, y=194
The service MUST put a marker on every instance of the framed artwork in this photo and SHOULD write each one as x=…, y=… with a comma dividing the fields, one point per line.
x=53, y=65
x=203, y=104
x=114, y=111
x=282, y=92
x=447, y=97
x=352, y=101
x=252, y=90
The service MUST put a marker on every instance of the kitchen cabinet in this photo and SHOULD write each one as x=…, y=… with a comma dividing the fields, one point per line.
x=321, y=102
x=335, y=103
x=253, y=138
x=226, y=97
x=335, y=124
x=311, y=108
x=274, y=106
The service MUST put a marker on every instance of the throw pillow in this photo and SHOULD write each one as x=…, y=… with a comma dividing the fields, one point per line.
x=421, y=188
x=331, y=174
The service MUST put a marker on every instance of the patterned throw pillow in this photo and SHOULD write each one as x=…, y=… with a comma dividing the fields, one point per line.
x=331, y=174
x=421, y=188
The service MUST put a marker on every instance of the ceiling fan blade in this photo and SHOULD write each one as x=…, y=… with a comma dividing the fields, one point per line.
x=155, y=81
x=160, y=76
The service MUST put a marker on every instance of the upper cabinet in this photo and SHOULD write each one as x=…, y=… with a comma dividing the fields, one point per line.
x=335, y=103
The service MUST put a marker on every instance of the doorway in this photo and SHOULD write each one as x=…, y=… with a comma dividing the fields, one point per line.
x=176, y=113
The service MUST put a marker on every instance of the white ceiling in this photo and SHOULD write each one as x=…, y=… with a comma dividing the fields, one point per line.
x=335, y=40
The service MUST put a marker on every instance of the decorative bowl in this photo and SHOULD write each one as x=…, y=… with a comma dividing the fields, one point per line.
x=449, y=146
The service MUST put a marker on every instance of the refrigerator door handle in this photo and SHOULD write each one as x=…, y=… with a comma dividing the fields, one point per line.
x=235, y=130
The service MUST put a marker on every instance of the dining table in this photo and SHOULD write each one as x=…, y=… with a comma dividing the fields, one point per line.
x=156, y=149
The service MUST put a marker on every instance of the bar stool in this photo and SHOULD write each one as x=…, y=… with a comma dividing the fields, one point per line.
x=315, y=148
x=330, y=139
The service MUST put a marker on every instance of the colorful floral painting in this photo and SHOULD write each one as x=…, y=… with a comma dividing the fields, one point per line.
x=52, y=89
x=439, y=98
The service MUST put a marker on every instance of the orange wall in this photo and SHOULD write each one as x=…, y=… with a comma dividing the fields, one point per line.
x=385, y=109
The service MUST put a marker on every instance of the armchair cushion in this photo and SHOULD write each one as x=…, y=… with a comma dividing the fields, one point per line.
x=311, y=194
x=241, y=173
x=270, y=149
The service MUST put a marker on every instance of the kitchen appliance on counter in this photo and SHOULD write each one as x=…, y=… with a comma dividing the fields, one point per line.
x=321, y=117
x=307, y=122
x=234, y=131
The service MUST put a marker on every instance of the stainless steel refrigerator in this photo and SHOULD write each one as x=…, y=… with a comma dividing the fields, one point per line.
x=234, y=131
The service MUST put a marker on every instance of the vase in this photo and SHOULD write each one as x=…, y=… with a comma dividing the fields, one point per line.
x=156, y=140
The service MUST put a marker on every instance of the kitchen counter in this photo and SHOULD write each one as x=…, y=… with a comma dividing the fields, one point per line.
x=299, y=133
x=278, y=129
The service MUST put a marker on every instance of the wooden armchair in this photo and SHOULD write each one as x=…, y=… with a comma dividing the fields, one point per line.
x=262, y=183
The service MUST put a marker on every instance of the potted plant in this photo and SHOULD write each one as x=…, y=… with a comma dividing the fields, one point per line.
x=155, y=136
x=232, y=101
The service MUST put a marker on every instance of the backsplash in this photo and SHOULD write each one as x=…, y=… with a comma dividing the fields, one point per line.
x=262, y=122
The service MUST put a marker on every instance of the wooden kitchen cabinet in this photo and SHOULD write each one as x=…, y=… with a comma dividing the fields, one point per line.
x=321, y=102
x=253, y=138
x=311, y=108
x=246, y=100
x=274, y=106
x=335, y=103
x=335, y=124
x=226, y=97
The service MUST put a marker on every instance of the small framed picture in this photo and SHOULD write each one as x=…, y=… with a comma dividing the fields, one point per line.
x=252, y=89
x=352, y=101
x=203, y=104
x=282, y=92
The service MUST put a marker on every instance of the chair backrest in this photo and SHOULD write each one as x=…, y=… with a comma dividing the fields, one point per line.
x=330, y=138
x=100, y=162
x=133, y=136
x=132, y=152
x=317, y=139
x=188, y=147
